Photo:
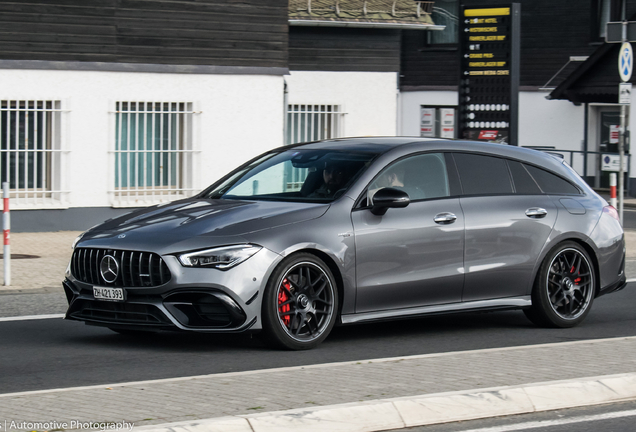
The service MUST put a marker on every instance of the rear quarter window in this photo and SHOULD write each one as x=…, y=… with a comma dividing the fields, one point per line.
x=551, y=183
x=524, y=183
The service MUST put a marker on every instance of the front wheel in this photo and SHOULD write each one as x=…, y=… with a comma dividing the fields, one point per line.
x=300, y=304
x=564, y=290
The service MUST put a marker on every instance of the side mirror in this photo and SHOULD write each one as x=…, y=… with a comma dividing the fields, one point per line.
x=387, y=198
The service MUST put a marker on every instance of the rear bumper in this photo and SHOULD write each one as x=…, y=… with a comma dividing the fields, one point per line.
x=617, y=286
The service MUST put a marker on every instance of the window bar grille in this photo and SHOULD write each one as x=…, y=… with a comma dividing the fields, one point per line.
x=30, y=148
x=151, y=146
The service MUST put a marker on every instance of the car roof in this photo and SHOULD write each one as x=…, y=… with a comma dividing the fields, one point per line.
x=380, y=145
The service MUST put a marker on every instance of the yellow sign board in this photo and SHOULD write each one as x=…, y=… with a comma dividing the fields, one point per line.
x=486, y=12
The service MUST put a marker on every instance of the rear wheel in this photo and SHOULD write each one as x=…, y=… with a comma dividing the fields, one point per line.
x=564, y=289
x=300, y=303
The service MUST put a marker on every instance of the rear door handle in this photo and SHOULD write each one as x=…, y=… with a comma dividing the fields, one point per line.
x=445, y=218
x=536, y=212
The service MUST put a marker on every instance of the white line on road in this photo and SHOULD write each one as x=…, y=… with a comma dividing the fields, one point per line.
x=31, y=317
x=550, y=423
x=631, y=280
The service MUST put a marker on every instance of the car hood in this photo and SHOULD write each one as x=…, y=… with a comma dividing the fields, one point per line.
x=196, y=223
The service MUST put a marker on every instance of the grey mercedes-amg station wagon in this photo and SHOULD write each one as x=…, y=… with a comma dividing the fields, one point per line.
x=355, y=230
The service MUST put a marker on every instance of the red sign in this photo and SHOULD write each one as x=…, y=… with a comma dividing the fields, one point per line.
x=488, y=134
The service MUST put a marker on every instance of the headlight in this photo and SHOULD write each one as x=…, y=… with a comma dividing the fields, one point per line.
x=221, y=258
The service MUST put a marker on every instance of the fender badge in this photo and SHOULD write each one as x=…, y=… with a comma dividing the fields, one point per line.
x=344, y=234
x=121, y=236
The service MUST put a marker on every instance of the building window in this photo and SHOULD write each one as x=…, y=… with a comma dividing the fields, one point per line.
x=153, y=152
x=445, y=12
x=438, y=121
x=310, y=123
x=31, y=154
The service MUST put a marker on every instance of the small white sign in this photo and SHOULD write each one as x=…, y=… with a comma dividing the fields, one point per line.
x=614, y=135
x=611, y=162
x=625, y=61
x=427, y=122
x=448, y=122
x=625, y=93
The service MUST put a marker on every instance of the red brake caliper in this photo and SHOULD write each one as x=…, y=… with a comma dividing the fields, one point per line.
x=282, y=298
x=578, y=279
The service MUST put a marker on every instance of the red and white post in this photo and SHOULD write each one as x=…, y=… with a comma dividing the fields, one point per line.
x=613, y=189
x=6, y=226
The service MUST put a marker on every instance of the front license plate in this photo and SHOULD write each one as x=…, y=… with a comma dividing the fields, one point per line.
x=110, y=294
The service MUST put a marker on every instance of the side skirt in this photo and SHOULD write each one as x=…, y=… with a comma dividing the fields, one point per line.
x=505, y=303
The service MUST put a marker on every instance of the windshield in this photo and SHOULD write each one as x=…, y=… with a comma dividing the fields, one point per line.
x=294, y=175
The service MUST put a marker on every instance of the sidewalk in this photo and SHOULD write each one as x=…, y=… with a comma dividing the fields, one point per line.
x=48, y=255
x=246, y=400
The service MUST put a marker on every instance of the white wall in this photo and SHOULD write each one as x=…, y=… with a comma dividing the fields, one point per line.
x=554, y=123
x=241, y=116
x=368, y=98
x=542, y=122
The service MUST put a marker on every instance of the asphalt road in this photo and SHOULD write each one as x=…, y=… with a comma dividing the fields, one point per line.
x=53, y=353
x=629, y=218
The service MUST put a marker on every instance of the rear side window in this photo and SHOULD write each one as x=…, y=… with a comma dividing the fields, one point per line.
x=524, y=183
x=483, y=175
x=550, y=183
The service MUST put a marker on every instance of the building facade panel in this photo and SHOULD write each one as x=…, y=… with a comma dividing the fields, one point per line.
x=344, y=49
x=247, y=33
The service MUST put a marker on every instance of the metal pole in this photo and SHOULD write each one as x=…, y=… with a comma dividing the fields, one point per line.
x=621, y=157
x=6, y=225
x=613, y=189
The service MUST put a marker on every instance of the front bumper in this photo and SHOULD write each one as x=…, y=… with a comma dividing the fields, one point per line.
x=195, y=299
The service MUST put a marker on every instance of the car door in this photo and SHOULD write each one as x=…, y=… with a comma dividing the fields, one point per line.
x=411, y=256
x=507, y=226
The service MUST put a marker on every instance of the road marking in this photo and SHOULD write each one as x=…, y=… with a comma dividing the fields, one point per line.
x=631, y=280
x=326, y=365
x=550, y=423
x=31, y=317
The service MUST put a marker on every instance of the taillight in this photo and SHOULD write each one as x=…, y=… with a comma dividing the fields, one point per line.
x=612, y=212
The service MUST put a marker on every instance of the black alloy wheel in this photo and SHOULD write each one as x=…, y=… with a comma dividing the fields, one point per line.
x=565, y=288
x=301, y=303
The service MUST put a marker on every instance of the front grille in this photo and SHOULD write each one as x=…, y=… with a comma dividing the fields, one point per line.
x=119, y=313
x=136, y=269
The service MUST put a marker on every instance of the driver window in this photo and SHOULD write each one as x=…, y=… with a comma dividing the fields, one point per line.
x=421, y=177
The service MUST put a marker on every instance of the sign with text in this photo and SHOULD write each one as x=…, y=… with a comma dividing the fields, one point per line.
x=489, y=73
x=611, y=162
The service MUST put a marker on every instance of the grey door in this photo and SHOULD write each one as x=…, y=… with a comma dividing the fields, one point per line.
x=405, y=258
x=507, y=224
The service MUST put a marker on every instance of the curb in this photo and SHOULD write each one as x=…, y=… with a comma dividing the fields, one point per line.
x=397, y=413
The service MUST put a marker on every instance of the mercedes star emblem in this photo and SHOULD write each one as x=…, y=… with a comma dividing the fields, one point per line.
x=109, y=268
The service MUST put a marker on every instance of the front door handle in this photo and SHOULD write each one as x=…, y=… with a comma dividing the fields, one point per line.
x=536, y=212
x=445, y=218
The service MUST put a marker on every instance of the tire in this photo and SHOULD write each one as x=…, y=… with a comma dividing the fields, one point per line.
x=300, y=304
x=564, y=289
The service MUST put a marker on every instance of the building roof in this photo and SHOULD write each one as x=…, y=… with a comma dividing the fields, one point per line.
x=596, y=80
x=403, y=14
